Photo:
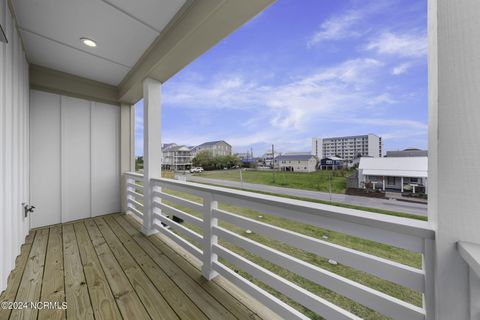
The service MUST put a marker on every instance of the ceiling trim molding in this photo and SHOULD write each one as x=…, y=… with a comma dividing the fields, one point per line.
x=131, y=16
x=46, y=79
x=196, y=28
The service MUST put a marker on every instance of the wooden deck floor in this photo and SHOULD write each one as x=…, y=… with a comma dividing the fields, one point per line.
x=104, y=268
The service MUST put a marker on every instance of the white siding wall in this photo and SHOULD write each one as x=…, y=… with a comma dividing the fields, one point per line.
x=14, y=184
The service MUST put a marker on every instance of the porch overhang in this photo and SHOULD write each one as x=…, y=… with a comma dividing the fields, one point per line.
x=60, y=64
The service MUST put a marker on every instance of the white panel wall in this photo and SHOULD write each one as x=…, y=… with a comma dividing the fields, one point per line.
x=75, y=151
x=75, y=168
x=14, y=104
x=45, y=160
x=105, y=158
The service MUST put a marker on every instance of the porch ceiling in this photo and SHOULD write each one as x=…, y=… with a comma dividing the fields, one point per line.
x=51, y=31
x=135, y=40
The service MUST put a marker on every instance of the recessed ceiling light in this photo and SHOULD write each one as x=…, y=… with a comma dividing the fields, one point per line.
x=88, y=42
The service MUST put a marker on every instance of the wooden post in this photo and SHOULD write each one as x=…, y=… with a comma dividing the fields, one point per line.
x=127, y=151
x=152, y=148
x=428, y=266
x=209, y=238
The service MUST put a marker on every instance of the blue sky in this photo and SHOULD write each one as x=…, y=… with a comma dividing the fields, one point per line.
x=303, y=69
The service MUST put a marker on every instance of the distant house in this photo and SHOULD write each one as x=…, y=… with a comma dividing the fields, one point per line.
x=216, y=148
x=332, y=163
x=407, y=153
x=394, y=173
x=242, y=156
x=176, y=157
x=296, y=163
x=268, y=157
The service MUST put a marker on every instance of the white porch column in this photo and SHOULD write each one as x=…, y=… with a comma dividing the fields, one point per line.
x=127, y=146
x=454, y=118
x=401, y=184
x=152, y=147
x=383, y=183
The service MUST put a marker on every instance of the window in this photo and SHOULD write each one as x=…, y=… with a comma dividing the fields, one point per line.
x=391, y=181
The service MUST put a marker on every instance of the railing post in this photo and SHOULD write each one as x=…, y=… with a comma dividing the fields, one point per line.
x=474, y=282
x=152, y=149
x=209, y=238
x=127, y=138
x=428, y=265
x=127, y=188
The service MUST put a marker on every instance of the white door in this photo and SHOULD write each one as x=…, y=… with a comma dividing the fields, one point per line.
x=45, y=179
x=74, y=158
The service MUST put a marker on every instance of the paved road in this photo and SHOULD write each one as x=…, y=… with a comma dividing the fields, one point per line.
x=392, y=205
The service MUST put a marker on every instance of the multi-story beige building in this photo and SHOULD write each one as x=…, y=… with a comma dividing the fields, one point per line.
x=216, y=148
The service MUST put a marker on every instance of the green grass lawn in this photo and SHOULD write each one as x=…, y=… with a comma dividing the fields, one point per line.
x=336, y=204
x=317, y=181
x=377, y=249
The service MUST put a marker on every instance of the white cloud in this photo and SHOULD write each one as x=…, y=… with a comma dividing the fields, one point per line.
x=347, y=94
x=413, y=44
x=401, y=68
x=337, y=28
x=350, y=23
x=327, y=92
x=403, y=123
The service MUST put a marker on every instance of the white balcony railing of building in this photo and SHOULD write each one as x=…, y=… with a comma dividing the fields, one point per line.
x=204, y=240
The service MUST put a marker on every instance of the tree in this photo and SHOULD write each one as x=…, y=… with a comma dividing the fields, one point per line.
x=204, y=159
x=207, y=161
x=139, y=163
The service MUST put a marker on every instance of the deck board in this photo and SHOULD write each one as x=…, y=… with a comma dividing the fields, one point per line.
x=240, y=304
x=151, y=298
x=127, y=300
x=31, y=285
x=76, y=290
x=53, y=290
x=15, y=276
x=103, y=303
x=105, y=268
x=209, y=306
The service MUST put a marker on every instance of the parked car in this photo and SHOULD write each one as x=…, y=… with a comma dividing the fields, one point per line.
x=196, y=170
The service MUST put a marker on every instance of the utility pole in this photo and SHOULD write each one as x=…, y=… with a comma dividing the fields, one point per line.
x=273, y=162
x=330, y=184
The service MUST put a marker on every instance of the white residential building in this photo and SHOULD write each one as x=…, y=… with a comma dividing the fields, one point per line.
x=176, y=157
x=348, y=148
x=394, y=173
x=296, y=163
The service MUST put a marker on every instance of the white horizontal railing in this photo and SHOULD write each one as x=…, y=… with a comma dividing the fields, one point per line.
x=134, y=193
x=470, y=252
x=204, y=244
